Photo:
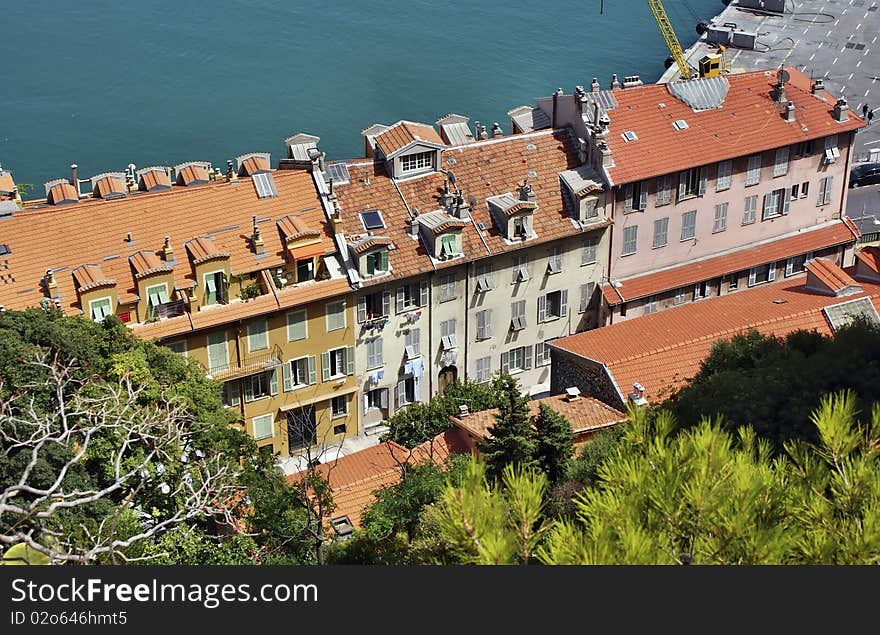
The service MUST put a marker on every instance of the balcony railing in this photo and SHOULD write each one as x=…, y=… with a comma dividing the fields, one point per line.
x=250, y=365
x=170, y=309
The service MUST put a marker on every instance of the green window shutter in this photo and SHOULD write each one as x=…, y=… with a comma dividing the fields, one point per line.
x=312, y=373
x=273, y=382
x=286, y=377
x=349, y=360
x=383, y=260
x=371, y=264
x=325, y=366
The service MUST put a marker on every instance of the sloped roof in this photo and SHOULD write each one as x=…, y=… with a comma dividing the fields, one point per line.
x=404, y=133
x=109, y=185
x=62, y=193
x=91, y=277
x=295, y=227
x=155, y=178
x=146, y=263
x=830, y=277
x=254, y=163
x=870, y=258
x=7, y=183
x=439, y=221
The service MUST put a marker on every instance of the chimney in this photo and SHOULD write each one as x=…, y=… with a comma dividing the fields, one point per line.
x=128, y=237
x=496, y=130
x=168, y=250
x=74, y=181
x=789, y=112
x=51, y=284
x=594, y=87
x=130, y=177
x=230, y=172
x=526, y=193
x=414, y=226
x=463, y=411
x=614, y=83
x=637, y=396
x=447, y=197
x=480, y=131
x=572, y=393
x=605, y=153
x=259, y=245
x=556, y=96
x=595, y=113
x=818, y=85
x=337, y=217
x=779, y=93
x=462, y=209
x=840, y=112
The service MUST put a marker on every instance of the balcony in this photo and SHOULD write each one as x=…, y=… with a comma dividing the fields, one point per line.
x=170, y=309
x=250, y=365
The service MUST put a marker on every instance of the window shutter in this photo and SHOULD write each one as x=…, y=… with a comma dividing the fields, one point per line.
x=643, y=195
x=366, y=403
x=273, y=382
x=286, y=377
x=386, y=303
x=401, y=393
x=383, y=397
x=768, y=205
x=349, y=359
x=312, y=373
x=753, y=276
x=563, y=303
x=371, y=264
x=702, y=180
x=325, y=366
x=771, y=273
x=248, y=389
x=628, y=197
x=234, y=392
x=481, y=325
x=362, y=309
x=401, y=299
x=223, y=291
x=682, y=184
x=488, y=324
x=539, y=354
x=423, y=293
x=383, y=260
x=786, y=200
x=542, y=308
x=415, y=337
x=505, y=362
x=527, y=357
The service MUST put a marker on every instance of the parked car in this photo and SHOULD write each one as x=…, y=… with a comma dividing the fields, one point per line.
x=864, y=174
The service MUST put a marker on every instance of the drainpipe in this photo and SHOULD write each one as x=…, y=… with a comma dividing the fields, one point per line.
x=467, y=298
x=430, y=355
x=610, y=251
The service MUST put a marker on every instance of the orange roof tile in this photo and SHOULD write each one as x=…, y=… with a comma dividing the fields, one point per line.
x=146, y=263
x=801, y=242
x=91, y=277
x=62, y=193
x=7, y=184
x=109, y=186
x=370, y=242
x=870, y=256
x=584, y=414
x=403, y=133
x=255, y=163
x=195, y=173
x=664, y=350
x=203, y=249
x=295, y=227
x=830, y=277
x=750, y=121
x=154, y=179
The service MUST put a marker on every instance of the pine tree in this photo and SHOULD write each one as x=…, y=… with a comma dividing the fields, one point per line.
x=512, y=441
x=554, y=443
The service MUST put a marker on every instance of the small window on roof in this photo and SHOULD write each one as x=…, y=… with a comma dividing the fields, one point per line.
x=265, y=185
x=629, y=135
x=372, y=219
x=5, y=250
x=680, y=124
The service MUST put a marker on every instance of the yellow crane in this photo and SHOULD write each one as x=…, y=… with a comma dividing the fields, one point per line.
x=671, y=39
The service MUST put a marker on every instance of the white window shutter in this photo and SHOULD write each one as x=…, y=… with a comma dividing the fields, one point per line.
x=628, y=197
x=312, y=372
x=488, y=325
x=682, y=184
x=643, y=195
x=702, y=180
x=542, y=308
x=585, y=297
x=771, y=273
x=286, y=377
x=383, y=397
x=401, y=394
x=362, y=309
x=325, y=366
x=786, y=200
x=273, y=382
x=401, y=299
x=768, y=205
x=349, y=360
x=505, y=362
x=366, y=403
x=423, y=293
x=753, y=276
x=563, y=303
x=386, y=303
x=539, y=354
x=527, y=357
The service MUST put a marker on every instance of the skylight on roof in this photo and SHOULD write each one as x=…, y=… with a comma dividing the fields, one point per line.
x=845, y=313
x=339, y=173
x=372, y=219
x=265, y=185
x=629, y=135
x=680, y=124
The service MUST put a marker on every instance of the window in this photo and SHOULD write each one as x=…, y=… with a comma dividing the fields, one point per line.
x=339, y=408
x=751, y=209
x=447, y=288
x=340, y=429
x=218, y=354
x=231, y=393
x=484, y=278
x=554, y=262
x=776, y=203
x=448, y=338
x=689, y=225
x=701, y=290
x=650, y=305
x=411, y=296
x=762, y=274
x=305, y=269
x=377, y=262
x=100, y=308
x=518, y=315
x=753, y=171
x=797, y=264
x=733, y=281
x=374, y=305
x=520, y=269
x=374, y=353
x=635, y=196
x=216, y=288
x=299, y=372
x=377, y=398
x=516, y=359
x=264, y=426
x=661, y=231
x=832, y=152
x=156, y=295
x=407, y=391
x=805, y=189
x=260, y=385
x=803, y=148
x=335, y=315
x=372, y=219
x=178, y=347
x=483, y=370
x=630, y=238
x=552, y=305
x=691, y=183
x=411, y=343
x=824, y=191
x=419, y=161
x=338, y=362
x=448, y=246
x=257, y=336
x=521, y=228
x=484, y=324
x=794, y=191
x=780, y=162
x=680, y=296
x=664, y=190
x=297, y=325
x=586, y=296
x=589, y=253
x=542, y=354
x=720, y=223
x=591, y=208
x=623, y=309
x=724, y=178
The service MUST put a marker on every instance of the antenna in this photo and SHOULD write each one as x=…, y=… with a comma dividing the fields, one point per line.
x=783, y=75
x=451, y=177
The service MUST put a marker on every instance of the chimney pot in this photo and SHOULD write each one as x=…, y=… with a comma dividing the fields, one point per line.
x=614, y=82
x=840, y=112
x=594, y=86
x=74, y=181
x=789, y=111
x=818, y=85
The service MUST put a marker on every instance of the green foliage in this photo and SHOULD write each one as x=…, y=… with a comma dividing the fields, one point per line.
x=513, y=439
x=584, y=468
x=194, y=546
x=22, y=554
x=250, y=292
x=554, y=441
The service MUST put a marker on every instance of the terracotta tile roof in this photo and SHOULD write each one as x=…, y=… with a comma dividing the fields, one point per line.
x=203, y=249
x=194, y=173
x=439, y=221
x=852, y=226
x=91, y=277
x=354, y=477
x=253, y=163
x=7, y=184
x=295, y=227
x=665, y=349
x=145, y=263
x=370, y=242
x=801, y=242
x=584, y=414
x=154, y=179
x=748, y=122
x=403, y=133
x=511, y=205
x=109, y=186
x=830, y=278
x=62, y=193
x=870, y=257
x=95, y=230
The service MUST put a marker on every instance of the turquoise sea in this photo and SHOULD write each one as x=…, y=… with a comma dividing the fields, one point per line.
x=104, y=84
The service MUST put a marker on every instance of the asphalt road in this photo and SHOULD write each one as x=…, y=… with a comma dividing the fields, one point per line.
x=863, y=206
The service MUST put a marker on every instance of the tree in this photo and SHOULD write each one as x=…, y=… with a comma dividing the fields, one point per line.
x=554, y=443
x=513, y=440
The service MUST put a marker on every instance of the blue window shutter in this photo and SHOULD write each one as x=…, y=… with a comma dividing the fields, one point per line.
x=312, y=373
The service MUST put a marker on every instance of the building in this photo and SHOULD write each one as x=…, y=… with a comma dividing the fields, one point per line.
x=715, y=185
x=237, y=272
x=647, y=358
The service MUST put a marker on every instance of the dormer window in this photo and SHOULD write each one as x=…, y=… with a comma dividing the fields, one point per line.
x=583, y=193
x=305, y=269
x=448, y=246
x=377, y=262
x=441, y=233
x=156, y=295
x=100, y=308
x=521, y=227
x=513, y=216
x=418, y=161
x=216, y=288
x=406, y=147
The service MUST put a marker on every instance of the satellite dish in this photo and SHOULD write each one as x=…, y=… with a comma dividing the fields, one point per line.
x=451, y=177
x=783, y=75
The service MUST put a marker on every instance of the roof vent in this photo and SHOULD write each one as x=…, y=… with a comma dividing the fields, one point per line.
x=463, y=410
x=680, y=124
x=572, y=393
x=629, y=135
x=818, y=85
